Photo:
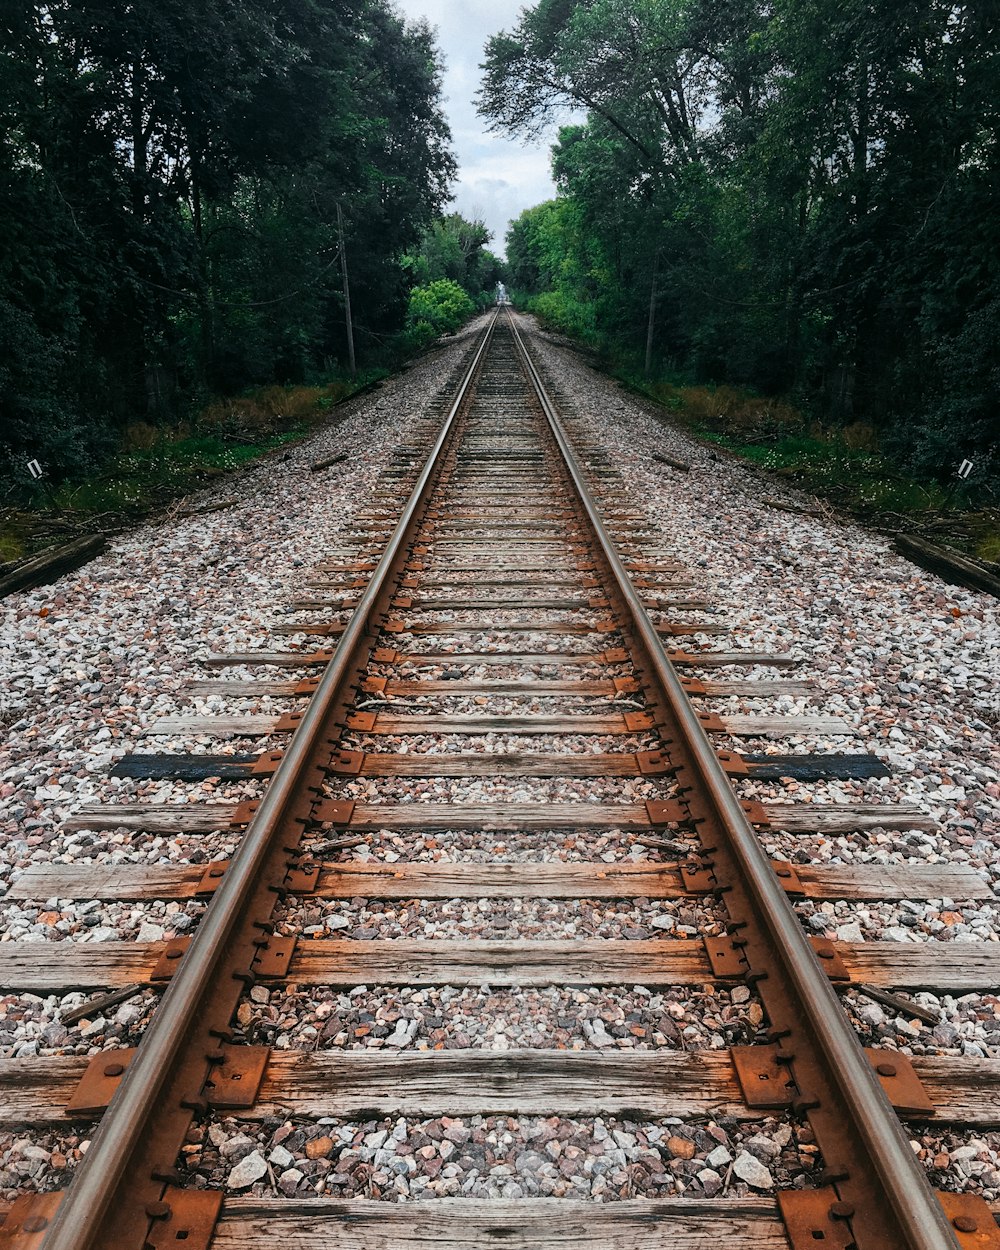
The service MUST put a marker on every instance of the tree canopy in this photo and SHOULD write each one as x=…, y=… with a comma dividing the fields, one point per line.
x=803, y=193
x=173, y=178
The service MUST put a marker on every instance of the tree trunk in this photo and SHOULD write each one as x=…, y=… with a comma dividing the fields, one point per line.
x=206, y=311
x=139, y=144
x=651, y=325
x=347, y=293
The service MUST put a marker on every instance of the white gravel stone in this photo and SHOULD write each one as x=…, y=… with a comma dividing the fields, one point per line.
x=251, y=1167
x=750, y=1169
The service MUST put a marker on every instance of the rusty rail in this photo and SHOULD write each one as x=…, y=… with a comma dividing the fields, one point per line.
x=114, y=1197
x=873, y=1189
x=871, y=1168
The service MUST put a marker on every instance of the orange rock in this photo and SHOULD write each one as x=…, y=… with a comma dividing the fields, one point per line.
x=681, y=1148
x=319, y=1147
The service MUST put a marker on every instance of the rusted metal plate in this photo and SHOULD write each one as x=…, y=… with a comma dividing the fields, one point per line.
x=788, y=879
x=361, y=722
x=99, y=1082
x=697, y=878
x=374, y=685
x=266, y=764
x=334, y=811
x=169, y=959
x=830, y=960
x=711, y=722
x=27, y=1221
x=386, y=655
x=726, y=958
x=613, y=655
x=764, y=1082
x=273, y=958
x=815, y=1217
x=755, y=812
x=243, y=813
x=626, y=685
x=347, y=763
x=212, y=877
x=902, y=1086
x=288, y=723
x=234, y=1083
x=734, y=764
x=653, y=763
x=183, y=1217
x=307, y=686
x=302, y=878
x=971, y=1219
x=666, y=812
x=638, y=722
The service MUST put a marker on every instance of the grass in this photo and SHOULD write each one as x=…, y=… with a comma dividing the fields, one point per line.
x=135, y=482
x=844, y=466
x=858, y=479
x=156, y=466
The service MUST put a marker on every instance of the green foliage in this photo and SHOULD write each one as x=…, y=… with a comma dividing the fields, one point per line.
x=441, y=306
x=558, y=310
x=172, y=182
x=134, y=482
x=802, y=194
x=454, y=248
x=158, y=465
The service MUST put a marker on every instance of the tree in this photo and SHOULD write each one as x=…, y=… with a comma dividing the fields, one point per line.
x=171, y=180
x=453, y=247
x=812, y=187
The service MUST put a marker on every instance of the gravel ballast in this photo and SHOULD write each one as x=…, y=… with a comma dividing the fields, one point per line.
x=910, y=663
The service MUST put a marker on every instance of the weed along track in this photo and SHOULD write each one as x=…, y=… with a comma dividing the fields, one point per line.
x=498, y=957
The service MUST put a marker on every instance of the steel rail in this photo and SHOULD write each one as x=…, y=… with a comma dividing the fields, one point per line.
x=919, y=1216
x=85, y=1207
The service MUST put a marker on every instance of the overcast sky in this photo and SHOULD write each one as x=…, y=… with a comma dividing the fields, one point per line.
x=497, y=178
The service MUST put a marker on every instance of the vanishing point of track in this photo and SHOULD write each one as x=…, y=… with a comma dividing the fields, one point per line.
x=511, y=520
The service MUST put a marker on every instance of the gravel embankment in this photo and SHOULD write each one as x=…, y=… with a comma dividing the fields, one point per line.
x=89, y=664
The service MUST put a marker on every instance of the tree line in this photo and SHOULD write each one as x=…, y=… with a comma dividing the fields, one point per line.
x=182, y=188
x=796, y=196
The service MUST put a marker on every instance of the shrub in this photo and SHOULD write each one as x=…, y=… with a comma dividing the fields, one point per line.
x=559, y=311
x=442, y=305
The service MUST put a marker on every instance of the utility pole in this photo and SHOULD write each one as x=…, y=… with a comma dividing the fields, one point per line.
x=652, y=316
x=347, y=293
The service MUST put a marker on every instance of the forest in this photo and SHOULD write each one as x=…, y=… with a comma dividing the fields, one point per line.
x=182, y=188
x=793, y=197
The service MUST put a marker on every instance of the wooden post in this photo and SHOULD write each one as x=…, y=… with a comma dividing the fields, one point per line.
x=347, y=293
x=652, y=316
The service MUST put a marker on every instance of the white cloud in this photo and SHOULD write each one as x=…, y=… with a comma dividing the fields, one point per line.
x=497, y=176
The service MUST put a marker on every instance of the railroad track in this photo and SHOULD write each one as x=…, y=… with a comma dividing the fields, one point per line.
x=513, y=643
